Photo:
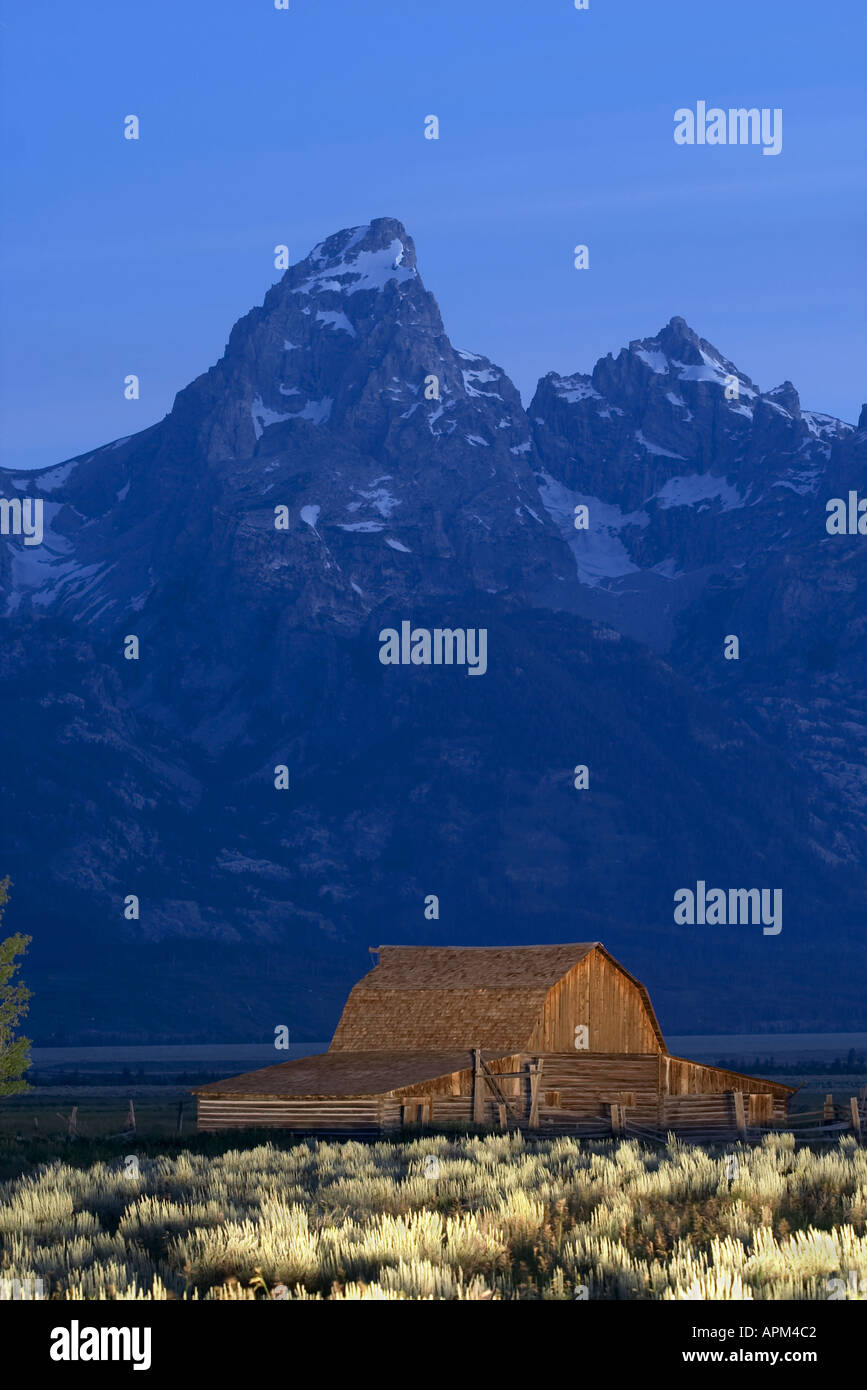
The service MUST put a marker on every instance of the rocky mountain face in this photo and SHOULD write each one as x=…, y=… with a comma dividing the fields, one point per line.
x=688, y=470
x=317, y=404
x=708, y=509
x=341, y=470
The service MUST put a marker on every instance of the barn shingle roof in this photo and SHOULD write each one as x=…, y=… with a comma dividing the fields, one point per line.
x=421, y=997
x=474, y=967
x=344, y=1074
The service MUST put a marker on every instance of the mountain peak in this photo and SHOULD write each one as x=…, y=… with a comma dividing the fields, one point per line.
x=675, y=340
x=680, y=343
x=678, y=329
x=356, y=258
x=678, y=351
x=786, y=397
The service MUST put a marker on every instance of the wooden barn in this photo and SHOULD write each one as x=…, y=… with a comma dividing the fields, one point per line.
x=551, y=1038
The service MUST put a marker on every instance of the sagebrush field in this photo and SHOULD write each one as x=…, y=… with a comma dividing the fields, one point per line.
x=495, y=1217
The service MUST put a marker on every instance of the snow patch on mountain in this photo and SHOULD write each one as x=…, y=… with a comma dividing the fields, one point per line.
x=667, y=569
x=693, y=489
x=599, y=552
x=336, y=319
x=48, y=570
x=711, y=369
x=366, y=270
x=575, y=388
x=263, y=416
x=804, y=482
x=379, y=497
x=656, y=361
x=473, y=377
x=651, y=448
x=47, y=482
x=825, y=427
x=317, y=412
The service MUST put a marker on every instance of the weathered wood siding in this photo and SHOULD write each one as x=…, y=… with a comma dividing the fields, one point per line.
x=716, y=1114
x=588, y=1083
x=681, y=1077
x=598, y=994
x=356, y=1114
x=460, y=1083
x=705, y=1114
x=654, y=1091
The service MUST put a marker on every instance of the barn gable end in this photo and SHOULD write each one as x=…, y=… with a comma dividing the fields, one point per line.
x=599, y=995
x=421, y=998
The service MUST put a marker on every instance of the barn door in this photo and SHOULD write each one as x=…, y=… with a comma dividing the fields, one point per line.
x=761, y=1109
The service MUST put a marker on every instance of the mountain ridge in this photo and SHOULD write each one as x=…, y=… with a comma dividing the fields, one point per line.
x=258, y=648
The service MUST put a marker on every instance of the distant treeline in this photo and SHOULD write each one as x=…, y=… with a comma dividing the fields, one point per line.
x=841, y=1066
x=60, y=1077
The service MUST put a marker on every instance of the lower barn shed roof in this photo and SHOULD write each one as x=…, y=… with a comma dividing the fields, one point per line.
x=344, y=1074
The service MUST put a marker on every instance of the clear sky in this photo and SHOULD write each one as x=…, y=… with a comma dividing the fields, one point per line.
x=261, y=126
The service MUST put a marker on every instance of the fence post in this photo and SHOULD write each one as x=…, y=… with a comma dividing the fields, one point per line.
x=478, y=1093
x=180, y=1117
x=856, y=1116
x=535, y=1083
x=828, y=1110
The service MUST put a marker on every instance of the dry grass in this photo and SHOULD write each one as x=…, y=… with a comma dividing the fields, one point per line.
x=505, y=1217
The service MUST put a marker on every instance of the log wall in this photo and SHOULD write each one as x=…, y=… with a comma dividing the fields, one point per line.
x=356, y=1114
x=589, y=1083
x=706, y=1114
x=655, y=1092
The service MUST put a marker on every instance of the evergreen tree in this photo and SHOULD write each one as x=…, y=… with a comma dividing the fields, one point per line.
x=14, y=997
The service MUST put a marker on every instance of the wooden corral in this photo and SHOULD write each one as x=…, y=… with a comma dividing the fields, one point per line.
x=550, y=1038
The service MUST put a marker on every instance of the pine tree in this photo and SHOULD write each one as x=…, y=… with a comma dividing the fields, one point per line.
x=14, y=997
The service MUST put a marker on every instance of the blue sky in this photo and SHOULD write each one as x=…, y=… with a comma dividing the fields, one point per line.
x=556, y=127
